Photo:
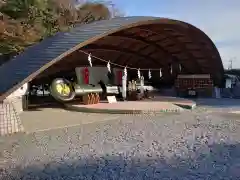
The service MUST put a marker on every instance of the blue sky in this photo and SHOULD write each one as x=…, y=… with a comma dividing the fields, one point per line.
x=219, y=19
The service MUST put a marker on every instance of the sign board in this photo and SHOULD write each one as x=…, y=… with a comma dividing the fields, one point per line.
x=192, y=93
x=111, y=99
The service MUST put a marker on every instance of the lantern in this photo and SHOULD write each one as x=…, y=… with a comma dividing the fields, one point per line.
x=86, y=75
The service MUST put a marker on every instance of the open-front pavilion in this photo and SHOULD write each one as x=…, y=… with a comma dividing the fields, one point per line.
x=138, y=42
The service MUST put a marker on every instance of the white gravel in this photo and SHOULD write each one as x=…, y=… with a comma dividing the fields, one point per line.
x=202, y=144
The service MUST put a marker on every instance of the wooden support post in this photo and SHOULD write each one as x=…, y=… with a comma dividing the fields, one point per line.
x=91, y=99
x=97, y=98
x=86, y=99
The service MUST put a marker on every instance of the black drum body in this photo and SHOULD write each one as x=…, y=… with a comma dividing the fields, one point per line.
x=64, y=91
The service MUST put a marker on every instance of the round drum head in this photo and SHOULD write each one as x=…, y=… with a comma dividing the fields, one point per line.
x=61, y=89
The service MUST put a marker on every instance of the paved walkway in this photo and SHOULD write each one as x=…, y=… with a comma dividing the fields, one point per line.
x=44, y=119
x=55, y=118
x=223, y=104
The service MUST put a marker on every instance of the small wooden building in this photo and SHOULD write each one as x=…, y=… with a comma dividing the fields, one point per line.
x=200, y=85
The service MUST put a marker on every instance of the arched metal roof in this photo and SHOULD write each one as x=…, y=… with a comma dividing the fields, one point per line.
x=149, y=42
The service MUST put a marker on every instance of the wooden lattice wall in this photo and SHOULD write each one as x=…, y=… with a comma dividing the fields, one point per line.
x=9, y=119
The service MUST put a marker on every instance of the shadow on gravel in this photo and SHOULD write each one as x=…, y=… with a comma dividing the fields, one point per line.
x=219, y=103
x=220, y=161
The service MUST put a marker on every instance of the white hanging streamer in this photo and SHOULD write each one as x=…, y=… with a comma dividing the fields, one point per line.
x=160, y=73
x=139, y=74
x=125, y=71
x=90, y=59
x=171, y=69
x=108, y=66
x=149, y=74
x=180, y=67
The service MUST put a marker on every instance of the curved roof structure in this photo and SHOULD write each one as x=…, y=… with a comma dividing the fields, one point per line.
x=140, y=42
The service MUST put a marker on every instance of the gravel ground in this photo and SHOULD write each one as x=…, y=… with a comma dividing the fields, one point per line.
x=203, y=144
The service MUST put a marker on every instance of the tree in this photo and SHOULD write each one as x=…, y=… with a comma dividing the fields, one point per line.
x=90, y=12
x=25, y=22
x=14, y=36
x=21, y=24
